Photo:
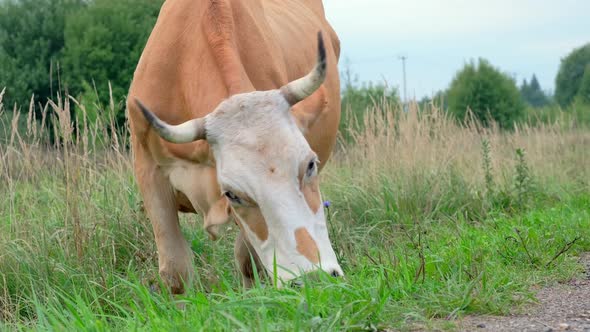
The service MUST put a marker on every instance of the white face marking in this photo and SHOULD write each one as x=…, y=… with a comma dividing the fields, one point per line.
x=259, y=153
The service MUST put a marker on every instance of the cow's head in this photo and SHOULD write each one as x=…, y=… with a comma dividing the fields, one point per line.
x=268, y=172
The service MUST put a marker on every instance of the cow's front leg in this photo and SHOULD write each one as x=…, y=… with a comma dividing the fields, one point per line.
x=174, y=255
x=244, y=255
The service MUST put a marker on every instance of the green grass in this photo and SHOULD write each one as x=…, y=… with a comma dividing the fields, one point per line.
x=428, y=222
x=397, y=273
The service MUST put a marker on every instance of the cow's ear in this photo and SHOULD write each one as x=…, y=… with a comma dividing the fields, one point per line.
x=307, y=111
x=217, y=215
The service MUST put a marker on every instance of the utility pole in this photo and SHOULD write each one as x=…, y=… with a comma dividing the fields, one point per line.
x=403, y=58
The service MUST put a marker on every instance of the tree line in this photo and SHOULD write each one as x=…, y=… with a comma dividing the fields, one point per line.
x=89, y=49
x=77, y=47
x=491, y=94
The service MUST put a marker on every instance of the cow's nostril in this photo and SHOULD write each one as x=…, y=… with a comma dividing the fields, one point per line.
x=335, y=274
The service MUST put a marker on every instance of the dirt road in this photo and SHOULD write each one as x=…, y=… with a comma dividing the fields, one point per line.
x=564, y=307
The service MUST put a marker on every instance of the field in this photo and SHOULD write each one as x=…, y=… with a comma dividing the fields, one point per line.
x=431, y=221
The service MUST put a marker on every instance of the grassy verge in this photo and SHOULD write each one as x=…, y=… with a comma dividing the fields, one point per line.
x=397, y=277
x=430, y=220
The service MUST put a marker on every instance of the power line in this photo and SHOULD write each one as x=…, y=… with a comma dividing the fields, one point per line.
x=369, y=60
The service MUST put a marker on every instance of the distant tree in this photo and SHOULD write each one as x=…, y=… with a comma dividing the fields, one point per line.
x=439, y=100
x=535, y=86
x=357, y=100
x=533, y=94
x=31, y=43
x=103, y=43
x=583, y=95
x=569, y=77
x=360, y=98
x=487, y=92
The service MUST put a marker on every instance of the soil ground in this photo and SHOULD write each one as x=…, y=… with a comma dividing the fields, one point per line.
x=564, y=307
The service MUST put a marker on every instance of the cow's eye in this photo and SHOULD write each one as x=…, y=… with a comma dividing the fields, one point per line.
x=311, y=167
x=232, y=197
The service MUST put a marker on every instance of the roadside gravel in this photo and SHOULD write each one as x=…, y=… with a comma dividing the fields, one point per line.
x=564, y=307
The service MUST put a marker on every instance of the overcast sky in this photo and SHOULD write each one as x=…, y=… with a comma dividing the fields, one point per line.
x=521, y=37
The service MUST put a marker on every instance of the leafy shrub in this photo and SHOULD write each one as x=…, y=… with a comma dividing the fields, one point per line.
x=583, y=95
x=31, y=43
x=357, y=100
x=487, y=92
x=577, y=114
x=571, y=72
x=103, y=43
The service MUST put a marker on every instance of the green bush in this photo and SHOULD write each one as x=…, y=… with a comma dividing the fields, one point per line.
x=103, y=43
x=571, y=72
x=357, y=100
x=583, y=95
x=577, y=114
x=31, y=43
x=487, y=92
x=76, y=47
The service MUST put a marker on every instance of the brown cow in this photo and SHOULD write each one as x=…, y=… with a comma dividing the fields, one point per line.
x=249, y=131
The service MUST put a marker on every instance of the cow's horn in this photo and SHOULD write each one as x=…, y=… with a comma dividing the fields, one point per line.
x=189, y=131
x=302, y=88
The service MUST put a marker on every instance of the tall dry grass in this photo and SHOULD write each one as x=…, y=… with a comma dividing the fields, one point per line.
x=430, y=163
x=430, y=141
x=68, y=208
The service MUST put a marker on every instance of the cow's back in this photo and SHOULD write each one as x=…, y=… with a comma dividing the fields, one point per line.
x=201, y=52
